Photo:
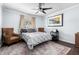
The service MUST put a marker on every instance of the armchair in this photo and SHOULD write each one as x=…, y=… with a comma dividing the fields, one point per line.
x=9, y=36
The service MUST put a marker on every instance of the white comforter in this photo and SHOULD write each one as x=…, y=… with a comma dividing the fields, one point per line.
x=35, y=38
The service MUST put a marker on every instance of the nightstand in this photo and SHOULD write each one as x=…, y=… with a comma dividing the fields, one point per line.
x=55, y=35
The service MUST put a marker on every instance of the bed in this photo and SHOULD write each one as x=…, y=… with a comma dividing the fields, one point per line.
x=34, y=38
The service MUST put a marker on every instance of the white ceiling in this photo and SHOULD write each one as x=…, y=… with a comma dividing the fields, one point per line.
x=29, y=7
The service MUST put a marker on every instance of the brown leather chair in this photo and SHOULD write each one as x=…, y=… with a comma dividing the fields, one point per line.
x=9, y=36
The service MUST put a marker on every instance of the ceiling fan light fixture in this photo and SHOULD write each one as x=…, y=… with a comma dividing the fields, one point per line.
x=41, y=9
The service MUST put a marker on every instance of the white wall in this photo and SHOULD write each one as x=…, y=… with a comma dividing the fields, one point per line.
x=11, y=18
x=70, y=24
x=0, y=22
x=0, y=15
x=39, y=22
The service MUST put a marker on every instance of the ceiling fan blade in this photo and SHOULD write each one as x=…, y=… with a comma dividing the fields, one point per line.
x=44, y=12
x=46, y=8
x=37, y=12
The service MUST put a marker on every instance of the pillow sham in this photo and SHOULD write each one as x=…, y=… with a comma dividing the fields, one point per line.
x=31, y=30
x=28, y=30
x=23, y=30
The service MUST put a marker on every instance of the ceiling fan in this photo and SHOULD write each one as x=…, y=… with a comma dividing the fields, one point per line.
x=41, y=9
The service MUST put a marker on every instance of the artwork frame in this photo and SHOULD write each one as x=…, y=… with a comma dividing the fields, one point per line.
x=55, y=21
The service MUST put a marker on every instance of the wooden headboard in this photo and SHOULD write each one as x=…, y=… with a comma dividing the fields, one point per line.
x=40, y=29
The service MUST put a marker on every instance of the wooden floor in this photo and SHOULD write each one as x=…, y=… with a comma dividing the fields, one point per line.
x=73, y=51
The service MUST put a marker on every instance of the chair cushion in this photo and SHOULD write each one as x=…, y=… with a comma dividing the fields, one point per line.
x=14, y=38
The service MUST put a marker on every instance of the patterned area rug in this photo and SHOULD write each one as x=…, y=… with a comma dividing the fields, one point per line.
x=47, y=48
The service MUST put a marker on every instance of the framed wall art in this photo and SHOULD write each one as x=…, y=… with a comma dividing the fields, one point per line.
x=55, y=21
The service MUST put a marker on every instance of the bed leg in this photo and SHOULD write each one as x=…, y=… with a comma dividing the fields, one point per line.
x=30, y=47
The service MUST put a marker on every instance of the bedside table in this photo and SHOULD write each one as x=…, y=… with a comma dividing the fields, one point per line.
x=55, y=35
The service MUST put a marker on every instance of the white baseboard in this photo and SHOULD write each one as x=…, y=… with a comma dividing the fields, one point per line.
x=67, y=41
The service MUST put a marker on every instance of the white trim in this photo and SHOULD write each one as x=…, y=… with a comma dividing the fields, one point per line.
x=71, y=7
x=61, y=11
x=67, y=41
x=18, y=10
